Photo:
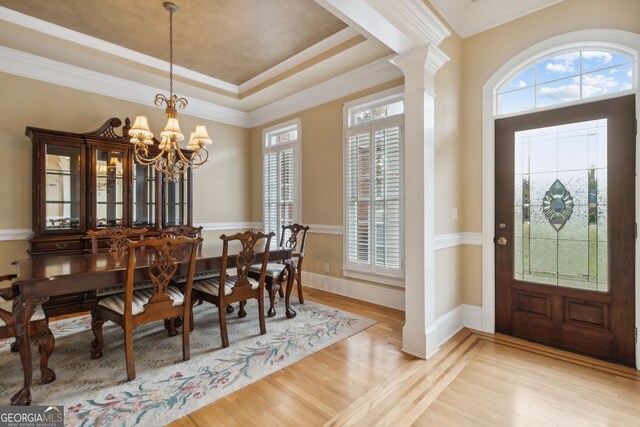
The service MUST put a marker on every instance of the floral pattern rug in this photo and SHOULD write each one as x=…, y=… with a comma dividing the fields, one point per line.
x=96, y=393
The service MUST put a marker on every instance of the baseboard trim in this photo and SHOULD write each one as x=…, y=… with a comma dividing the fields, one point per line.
x=380, y=295
x=463, y=316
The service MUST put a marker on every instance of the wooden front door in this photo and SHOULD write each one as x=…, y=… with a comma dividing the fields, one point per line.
x=565, y=228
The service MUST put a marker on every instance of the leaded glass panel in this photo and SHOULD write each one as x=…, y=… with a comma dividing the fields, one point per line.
x=560, y=205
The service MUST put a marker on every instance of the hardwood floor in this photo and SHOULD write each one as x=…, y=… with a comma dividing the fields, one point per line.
x=476, y=379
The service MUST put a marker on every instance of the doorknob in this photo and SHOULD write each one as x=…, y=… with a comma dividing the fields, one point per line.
x=502, y=241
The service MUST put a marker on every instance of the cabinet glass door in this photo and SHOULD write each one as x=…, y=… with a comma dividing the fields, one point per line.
x=144, y=195
x=176, y=201
x=62, y=187
x=109, y=188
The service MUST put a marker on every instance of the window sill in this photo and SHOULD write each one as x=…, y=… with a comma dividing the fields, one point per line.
x=375, y=278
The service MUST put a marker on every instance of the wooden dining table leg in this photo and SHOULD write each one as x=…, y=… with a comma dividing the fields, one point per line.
x=22, y=311
x=290, y=273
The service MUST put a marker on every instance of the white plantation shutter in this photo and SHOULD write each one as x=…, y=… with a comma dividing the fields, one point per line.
x=271, y=192
x=373, y=196
x=280, y=175
x=387, y=198
x=359, y=198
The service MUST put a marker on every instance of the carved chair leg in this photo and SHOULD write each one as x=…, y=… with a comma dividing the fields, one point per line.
x=186, y=349
x=271, y=290
x=241, y=312
x=47, y=344
x=14, y=347
x=191, y=322
x=299, y=280
x=281, y=292
x=128, y=353
x=98, y=340
x=172, y=327
x=222, y=315
x=230, y=309
x=263, y=325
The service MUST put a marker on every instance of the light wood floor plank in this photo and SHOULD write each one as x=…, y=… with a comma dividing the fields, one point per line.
x=476, y=379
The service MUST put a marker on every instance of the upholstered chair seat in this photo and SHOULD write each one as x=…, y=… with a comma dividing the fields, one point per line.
x=116, y=302
x=212, y=286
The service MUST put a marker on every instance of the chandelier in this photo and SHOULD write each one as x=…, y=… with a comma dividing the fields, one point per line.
x=170, y=160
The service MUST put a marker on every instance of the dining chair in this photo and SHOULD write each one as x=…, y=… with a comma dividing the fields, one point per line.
x=239, y=287
x=38, y=329
x=276, y=273
x=181, y=230
x=162, y=301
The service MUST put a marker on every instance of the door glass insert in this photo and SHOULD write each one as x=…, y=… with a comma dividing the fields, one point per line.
x=62, y=183
x=109, y=188
x=560, y=228
x=144, y=195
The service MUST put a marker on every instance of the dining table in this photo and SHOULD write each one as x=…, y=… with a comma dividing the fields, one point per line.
x=39, y=278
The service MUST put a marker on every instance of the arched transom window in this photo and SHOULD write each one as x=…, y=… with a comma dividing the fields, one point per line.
x=566, y=77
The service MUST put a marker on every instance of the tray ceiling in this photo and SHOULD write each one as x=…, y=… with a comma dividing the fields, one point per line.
x=231, y=40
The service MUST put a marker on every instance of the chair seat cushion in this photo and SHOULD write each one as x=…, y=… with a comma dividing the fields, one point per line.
x=140, y=298
x=198, y=276
x=211, y=286
x=273, y=269
x=119, y=289
x=7, y=306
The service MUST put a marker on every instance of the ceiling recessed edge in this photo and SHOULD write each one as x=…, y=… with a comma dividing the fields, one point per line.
x=322, y=46
x=66, y=34
x=375, y=73
x=480, y=18
x=414, y=18
x=453, y=11
x=47, y=70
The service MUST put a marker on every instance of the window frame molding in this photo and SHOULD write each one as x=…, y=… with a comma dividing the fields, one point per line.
x=559, y=50
x=373, y=100
x=297, y=169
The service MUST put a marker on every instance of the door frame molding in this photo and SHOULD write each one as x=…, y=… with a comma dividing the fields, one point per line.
x=626, y=40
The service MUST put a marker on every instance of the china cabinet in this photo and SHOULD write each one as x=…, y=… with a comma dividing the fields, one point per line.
x=90, y=181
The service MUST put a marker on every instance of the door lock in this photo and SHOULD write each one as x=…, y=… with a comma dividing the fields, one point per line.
x=502, y=241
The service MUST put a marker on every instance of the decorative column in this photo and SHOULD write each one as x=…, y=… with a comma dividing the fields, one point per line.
x=420, y=334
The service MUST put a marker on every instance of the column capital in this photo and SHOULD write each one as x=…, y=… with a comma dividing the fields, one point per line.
x=420, y=66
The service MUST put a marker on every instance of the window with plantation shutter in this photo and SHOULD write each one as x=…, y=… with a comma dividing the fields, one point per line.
x=373, y=190
x=281, y=166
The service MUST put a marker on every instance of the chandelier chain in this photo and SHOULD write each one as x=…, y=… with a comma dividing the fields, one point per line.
x=171, y=53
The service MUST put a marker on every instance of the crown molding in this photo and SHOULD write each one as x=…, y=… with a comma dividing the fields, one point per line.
x=63, y=33
x=35, y=67
x=413, y=18
x=470, y=18
x=319, y=48
x=375, y=73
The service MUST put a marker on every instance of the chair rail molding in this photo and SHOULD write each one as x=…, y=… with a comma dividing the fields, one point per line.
x=213, y=226
x=13, y=234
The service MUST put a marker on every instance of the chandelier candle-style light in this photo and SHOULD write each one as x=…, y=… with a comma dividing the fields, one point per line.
x=170, y=161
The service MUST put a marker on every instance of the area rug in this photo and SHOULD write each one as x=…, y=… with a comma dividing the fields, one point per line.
x=96, y=393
